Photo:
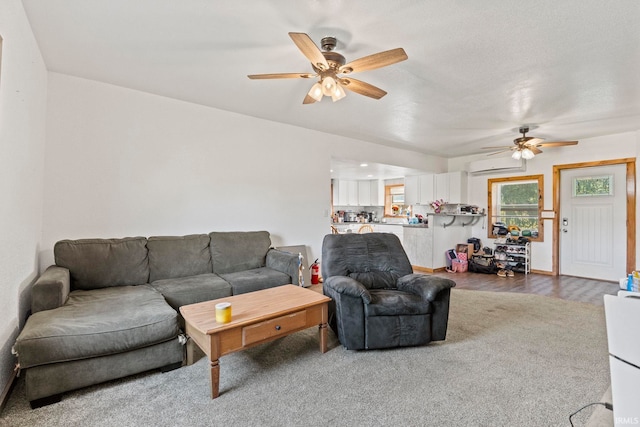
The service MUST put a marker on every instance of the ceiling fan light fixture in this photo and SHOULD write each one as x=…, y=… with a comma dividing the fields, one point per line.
x=328, y=86
x=338, y=93
x=517, y=155
x=316, y=92
x=527, y=154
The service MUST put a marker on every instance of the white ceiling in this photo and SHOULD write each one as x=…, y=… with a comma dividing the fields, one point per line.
x=476, y=70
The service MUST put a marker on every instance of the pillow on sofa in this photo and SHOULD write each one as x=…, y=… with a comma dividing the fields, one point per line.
x=171, y=257
x=239, y=250
x=100, y=263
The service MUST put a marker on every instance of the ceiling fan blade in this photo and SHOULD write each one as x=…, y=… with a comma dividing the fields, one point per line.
x=556, y=143
x=362, y=88
x=501, y=146
x=308, y=100
x=310, y=50
x=377, y=60
x=281, y=76
x=535, y=150
x=534, y=141
x=499, y=152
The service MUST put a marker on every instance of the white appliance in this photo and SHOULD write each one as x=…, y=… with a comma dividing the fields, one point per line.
x=622, y=314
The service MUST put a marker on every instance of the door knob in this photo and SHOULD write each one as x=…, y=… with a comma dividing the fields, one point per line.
x=564, y=230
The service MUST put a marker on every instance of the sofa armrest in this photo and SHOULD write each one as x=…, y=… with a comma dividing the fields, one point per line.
x=284, y=262
x=347, y=286
x=427, y=287
x=51, y=290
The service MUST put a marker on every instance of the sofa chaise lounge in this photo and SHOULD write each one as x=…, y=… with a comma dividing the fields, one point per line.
x=108, y=308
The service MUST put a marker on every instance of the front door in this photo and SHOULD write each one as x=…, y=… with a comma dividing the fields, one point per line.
x=593, y=222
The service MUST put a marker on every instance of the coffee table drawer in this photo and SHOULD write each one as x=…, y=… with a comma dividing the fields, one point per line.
x=274, y=327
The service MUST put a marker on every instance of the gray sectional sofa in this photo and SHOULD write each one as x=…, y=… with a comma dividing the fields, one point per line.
x=108, y=308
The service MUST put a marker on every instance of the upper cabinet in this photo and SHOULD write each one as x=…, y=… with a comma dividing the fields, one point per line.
x=419, y=189
x=358, y=193
x=451, y=187
x=411, y=190
x=424, y=189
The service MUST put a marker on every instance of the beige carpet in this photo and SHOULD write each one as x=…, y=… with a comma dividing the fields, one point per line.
x=509, y=360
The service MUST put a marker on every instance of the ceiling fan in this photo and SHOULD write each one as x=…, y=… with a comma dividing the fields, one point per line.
x=526, y=147
x=329, y=66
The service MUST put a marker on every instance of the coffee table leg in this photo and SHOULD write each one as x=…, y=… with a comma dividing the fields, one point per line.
x=323, y=328
x=323, y=337
x=214, y=346
x=215, y=379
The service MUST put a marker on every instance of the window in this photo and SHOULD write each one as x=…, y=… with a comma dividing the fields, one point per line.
x=517, y=202
x=593, y=186
x=394, y=201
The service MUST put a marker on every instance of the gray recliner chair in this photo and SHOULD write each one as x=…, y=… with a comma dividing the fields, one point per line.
x=377, y=301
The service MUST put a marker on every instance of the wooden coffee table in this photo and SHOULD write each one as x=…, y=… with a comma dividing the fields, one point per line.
x=257, y=317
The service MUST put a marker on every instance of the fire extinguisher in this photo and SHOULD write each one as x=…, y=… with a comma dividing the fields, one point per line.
x=315, y=273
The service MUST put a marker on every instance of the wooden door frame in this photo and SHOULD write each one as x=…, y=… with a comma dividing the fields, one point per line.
x=631, y=208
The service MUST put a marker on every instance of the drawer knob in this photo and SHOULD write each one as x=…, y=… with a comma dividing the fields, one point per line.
x=278, y=327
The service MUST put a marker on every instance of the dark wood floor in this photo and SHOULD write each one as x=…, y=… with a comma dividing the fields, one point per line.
x=563, y=287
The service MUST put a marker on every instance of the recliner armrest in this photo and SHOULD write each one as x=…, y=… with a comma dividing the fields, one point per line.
x=284, y=262
x=428, y=287
x=348, y=286
x=51, y=290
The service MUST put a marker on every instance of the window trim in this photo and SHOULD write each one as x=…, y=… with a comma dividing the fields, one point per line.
x=387, y=200
x=492, y=181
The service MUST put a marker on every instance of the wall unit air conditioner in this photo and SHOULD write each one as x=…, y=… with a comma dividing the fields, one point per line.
x=497, y=165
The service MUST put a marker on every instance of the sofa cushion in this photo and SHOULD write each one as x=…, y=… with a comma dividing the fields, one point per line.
x=238, y=250
x=190, y=290
x=178, y=256
x=99, y=263
x=96, y=323
x=255, y=279
x=395, y=303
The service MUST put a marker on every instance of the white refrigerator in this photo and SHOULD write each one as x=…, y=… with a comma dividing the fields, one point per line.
x=622, y=314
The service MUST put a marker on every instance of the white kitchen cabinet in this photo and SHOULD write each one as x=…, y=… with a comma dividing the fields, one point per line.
x=368, y=192
x=345, y=192
x=352, y=198
x=451, y=187
x=418, y=189
x=364, y=193
x=426, y=189
x=411, y=190
x=442, y=187
x=377, y=192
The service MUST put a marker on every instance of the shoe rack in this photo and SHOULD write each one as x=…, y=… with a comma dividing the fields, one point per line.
x=515, y=256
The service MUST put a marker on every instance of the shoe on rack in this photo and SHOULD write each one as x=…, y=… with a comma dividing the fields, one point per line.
x=510, y=273
x=502, y=273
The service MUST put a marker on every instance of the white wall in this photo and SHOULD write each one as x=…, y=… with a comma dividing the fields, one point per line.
x=23, y=85
x=121, y=162
x=608, y=147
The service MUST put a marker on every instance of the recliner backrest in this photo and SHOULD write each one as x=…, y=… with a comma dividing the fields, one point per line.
x=376, y=260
